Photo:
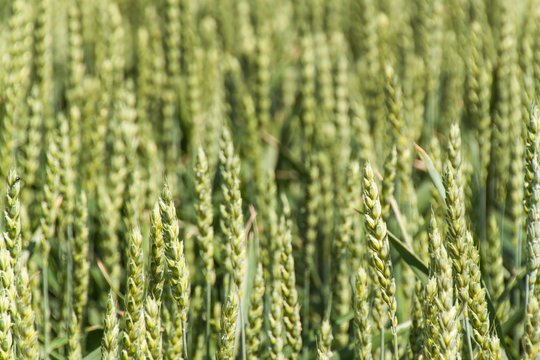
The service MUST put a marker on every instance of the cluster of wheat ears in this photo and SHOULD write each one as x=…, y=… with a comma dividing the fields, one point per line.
x=269, y=179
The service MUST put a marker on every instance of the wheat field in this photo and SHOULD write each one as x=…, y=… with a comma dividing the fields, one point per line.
x=269, y=179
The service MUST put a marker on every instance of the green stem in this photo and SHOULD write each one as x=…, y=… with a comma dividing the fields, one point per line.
x=46, y=312
x=208, y=316
x=306, y=310
x=468, y=337
x=396, y=352
x=184, y=339
x=69, y=281
x=382, y=343
x=242, y=332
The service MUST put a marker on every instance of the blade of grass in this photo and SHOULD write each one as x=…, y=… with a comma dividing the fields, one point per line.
x=492, y=312
x=417, y=265
x=514, y=282
x=433, y=173
x=57, y=343
x=408, y=256
x=94, y=355
x=107, y=278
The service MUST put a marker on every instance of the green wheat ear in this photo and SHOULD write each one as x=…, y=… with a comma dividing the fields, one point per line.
x=74, y=338
x=444, y=324
x=343, y=248
x=81, y=264
x=133, y=335
x=177, y=285
x=153, y=328
x=388, y=185
x=531, y=148
x=8, y=299
x=109, y=341
x=379, y=247
x=232, y=217
x=27, y=337
x=227, y=336
x=12, y=216
x=156, y=272
x=276, y=303
x=291, y=306
x=362, y=321
x=533, y=227
x=19, y=63
x=531, y=337
x=203, y=207
x=254, y=331
x=6, y=326
x=324, y=343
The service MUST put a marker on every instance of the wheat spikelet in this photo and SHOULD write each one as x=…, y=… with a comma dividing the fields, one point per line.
x=379, y=247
